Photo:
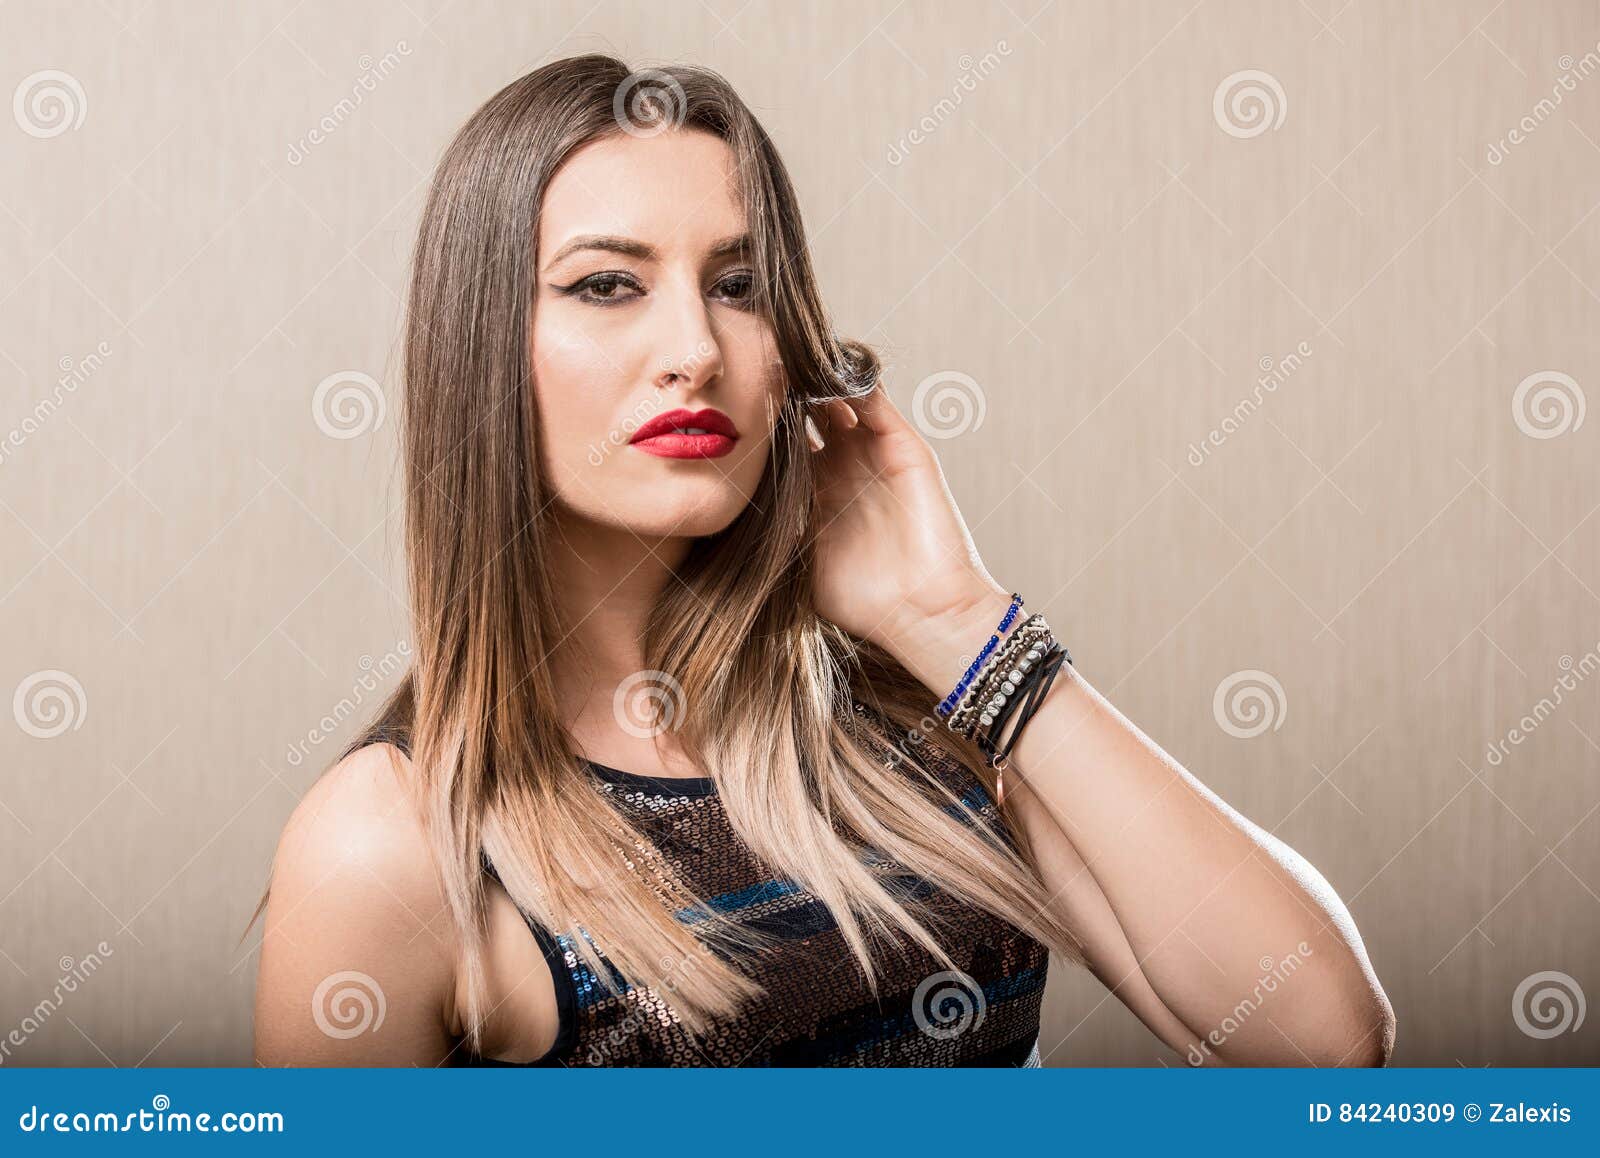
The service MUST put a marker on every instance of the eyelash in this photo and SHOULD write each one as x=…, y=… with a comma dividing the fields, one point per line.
x=613, y=277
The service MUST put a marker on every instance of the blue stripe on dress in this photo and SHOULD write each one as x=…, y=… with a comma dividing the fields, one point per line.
x=997, y=992
x=741, y=899
x=591, y=991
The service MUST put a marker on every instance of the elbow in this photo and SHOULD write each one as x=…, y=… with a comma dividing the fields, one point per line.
x=1354, y=1020
x=1346, y=1022
x=1376, y=1046
x=1367, y=1031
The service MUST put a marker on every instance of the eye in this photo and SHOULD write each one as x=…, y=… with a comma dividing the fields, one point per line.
x=738, y=288
x=600, y=288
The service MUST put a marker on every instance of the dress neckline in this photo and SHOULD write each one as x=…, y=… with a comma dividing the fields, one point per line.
x=656, y=785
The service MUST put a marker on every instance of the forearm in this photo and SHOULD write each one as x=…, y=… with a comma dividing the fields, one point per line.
x=1212, y=906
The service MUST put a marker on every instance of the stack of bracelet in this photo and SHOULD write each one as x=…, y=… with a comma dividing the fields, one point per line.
x=1005, y=686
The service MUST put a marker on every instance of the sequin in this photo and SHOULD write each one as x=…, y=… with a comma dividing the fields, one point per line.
x=817, y=1009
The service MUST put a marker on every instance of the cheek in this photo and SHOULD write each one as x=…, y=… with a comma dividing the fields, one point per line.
x=753, y=362
x=576, y=382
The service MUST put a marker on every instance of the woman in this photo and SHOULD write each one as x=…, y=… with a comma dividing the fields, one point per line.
x=670, y=781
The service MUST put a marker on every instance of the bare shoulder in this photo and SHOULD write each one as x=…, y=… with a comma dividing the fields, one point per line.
x=356, y=965
x=362, y=815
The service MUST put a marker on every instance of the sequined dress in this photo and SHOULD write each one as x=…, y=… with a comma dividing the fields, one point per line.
x=817, y=1009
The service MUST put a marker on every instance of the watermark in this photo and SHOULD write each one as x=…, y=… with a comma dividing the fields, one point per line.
x=372, y=74
x=74, y=373
x=900, y=749
x=49, y=103
x=647, y=703
x=650, y=1009
x=156, y=1120
x=948, y=404
x=1571, y=72
x=1548, y=1004
x=1274, y=373
x=1545, y=708
x=649, y=407
x=348, y=404
x=972, y=72
x=1249, y=702
x=648, y=103
x=348, y=1004
x=948, y=1004
x=73, y=974
x=48, y=703
x=1548, y=404
x=1248, y=103
x=374, y=673
x=1273, y=974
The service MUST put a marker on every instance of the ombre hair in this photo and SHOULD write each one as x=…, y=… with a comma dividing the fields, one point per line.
x=851, y=813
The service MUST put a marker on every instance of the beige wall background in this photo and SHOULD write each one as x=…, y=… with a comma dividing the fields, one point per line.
x=1329, y=596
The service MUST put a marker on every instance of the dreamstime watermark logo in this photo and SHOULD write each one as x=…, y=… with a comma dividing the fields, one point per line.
x=648, y=103
x=1547, y=404
x=972, y=72
x=648, y=408
x=1571, y=72
x=348, y=1004
x=74, y=373
x=899, y=750
x=648, y=703
x=1248, y=103
x=372, y=74
x=73, y=973
x=48, y=703
x=948, y=1004
x=348, y=404
x=1548, y=1004
x=651, y=1007
x=1545, y=708
x=1273, y=974
x=948, y=404
x=155, y=1120
x=1274, y=373
x=48, y=103
x=374, y=673
x=1249, y=702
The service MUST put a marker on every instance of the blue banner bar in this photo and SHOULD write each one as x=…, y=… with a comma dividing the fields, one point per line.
x=811, y=1112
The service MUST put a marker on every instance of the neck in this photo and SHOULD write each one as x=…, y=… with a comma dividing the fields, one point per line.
x=607, y=579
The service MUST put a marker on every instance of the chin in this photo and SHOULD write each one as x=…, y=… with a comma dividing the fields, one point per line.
x=671, y=515
x=693, y=521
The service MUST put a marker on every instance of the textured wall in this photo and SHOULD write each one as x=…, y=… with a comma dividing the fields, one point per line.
x=1284, y=396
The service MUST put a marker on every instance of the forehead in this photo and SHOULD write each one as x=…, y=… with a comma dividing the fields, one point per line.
x=674, y=190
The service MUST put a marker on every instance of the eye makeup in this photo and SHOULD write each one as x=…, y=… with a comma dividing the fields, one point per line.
x=600, y=289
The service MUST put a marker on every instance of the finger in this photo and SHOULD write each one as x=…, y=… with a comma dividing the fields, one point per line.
x=813, y=434
x=876, y=410
x=828, y=419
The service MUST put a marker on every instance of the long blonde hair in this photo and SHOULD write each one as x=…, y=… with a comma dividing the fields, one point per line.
x=766, y=685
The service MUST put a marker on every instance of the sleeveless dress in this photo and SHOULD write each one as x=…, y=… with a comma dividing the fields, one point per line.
x=817, y=1009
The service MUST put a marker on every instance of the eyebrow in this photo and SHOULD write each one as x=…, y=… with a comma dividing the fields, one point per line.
x=609, y=243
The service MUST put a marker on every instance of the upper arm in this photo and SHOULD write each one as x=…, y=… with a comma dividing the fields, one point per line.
x=356, y=960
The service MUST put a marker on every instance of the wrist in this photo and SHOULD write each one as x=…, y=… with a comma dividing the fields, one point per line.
x=938, y=646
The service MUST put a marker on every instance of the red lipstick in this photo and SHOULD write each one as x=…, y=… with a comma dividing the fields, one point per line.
x=682, y=433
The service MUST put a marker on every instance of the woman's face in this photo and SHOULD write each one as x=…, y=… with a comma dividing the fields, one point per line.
x=642, y=310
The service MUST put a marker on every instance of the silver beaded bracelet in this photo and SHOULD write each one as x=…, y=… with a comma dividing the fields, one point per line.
x=1001, y=677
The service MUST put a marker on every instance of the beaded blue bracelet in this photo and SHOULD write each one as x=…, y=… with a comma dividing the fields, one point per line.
x=948, y=704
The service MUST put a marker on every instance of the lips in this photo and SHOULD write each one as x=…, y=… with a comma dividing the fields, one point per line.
x=669, y=435
x=709, y=420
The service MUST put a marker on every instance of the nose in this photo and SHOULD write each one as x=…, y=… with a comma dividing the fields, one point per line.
x=692, y=357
